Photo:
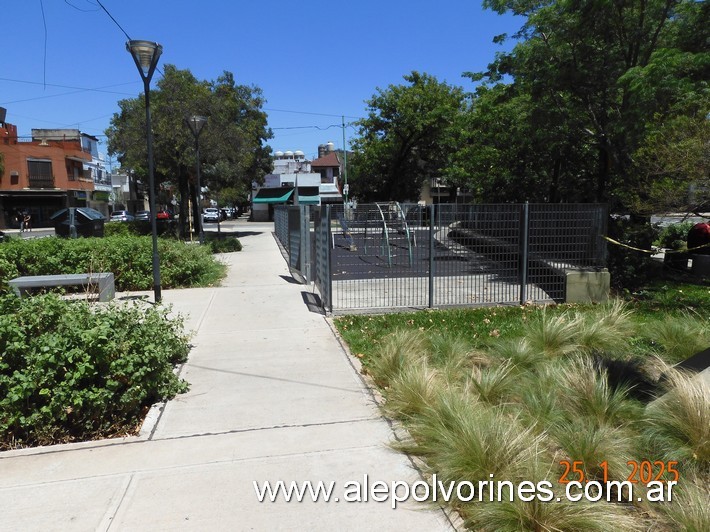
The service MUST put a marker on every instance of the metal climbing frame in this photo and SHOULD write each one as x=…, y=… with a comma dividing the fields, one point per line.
x=393, y=223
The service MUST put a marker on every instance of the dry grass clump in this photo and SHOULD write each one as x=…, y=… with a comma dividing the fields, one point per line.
x=399, y=350
x=680, y=337
x=585, y=393
x=493, y=385
x=678, y=423
x=519, y=352
x=465, y=439
x=412, y=390
x=538, y=516
x=607, y=328
x=689, y=509
x=581, y=441
x=554, y=336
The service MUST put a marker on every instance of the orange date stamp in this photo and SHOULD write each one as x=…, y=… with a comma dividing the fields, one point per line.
x=642, y=472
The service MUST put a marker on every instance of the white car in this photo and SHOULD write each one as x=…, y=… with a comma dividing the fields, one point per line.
x=121, y=216
x=210, y=215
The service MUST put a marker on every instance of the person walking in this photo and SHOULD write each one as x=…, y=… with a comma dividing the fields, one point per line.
x=27, y=220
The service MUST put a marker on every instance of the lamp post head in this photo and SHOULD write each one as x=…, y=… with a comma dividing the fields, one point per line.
x=146, y=55
x=196, y=123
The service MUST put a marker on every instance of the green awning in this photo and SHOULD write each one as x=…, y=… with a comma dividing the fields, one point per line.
x=308, y=196
x=273, y=195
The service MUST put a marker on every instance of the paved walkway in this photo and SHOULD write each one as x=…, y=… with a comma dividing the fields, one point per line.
x=273, y=397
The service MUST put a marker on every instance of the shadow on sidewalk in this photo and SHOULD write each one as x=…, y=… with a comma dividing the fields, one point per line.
x=313, y=302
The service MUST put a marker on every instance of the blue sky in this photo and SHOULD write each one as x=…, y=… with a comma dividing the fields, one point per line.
x=314, y=61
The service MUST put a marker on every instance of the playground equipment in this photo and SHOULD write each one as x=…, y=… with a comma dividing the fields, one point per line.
x=389, y=220
x=378, y=225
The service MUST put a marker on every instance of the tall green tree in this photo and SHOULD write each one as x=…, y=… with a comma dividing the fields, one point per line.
x=575, y=79
x=408, y=136
x=236, y=138
x=232, y=145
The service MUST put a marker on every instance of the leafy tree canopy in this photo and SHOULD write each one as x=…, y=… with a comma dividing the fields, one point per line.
x=407, y=136
x=232, y=144
x=593, y=83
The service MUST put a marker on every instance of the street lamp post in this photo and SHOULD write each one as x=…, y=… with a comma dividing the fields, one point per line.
x=196, y=123
x=146, y=55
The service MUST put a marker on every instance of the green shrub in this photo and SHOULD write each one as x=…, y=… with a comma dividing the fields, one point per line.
x=165, y=228
x=128, y=257
x=70, y=371
x=674, y=236
x=117, y=229
x=227, y=244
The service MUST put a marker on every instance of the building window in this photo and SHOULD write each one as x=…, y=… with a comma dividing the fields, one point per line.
x=40, y=174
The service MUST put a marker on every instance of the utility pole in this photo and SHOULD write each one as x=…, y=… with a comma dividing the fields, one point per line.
x=345, y=164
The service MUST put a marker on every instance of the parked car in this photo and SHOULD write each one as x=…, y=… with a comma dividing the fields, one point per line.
x=143, y=215
x=121, y=216
x=211, y=215
x=163, y=215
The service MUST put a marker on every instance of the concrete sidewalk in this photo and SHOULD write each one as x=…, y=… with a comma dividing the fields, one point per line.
x=273, y=397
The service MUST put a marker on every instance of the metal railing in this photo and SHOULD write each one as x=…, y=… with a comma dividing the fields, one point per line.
x=376, y=257
x=41, y=182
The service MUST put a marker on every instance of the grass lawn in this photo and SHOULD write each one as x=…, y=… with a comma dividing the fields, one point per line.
x=552, y=395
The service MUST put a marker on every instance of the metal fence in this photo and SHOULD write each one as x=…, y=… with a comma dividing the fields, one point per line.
x=391, y=255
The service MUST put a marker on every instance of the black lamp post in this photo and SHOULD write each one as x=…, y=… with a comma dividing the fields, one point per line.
x=146, y=55
x=196, y=124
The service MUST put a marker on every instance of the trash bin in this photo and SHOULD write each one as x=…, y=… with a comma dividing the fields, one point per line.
x=74, y=222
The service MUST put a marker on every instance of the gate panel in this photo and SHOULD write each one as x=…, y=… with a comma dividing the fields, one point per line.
x=321, y=255
x=378, y=261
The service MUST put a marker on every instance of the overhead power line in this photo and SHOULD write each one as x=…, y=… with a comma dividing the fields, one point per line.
x=114, y=20
x=310, y=113
x=67, y=2
x=77, y=90
x=309, y=127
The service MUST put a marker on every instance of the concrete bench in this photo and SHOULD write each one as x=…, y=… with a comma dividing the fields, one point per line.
x=103, y=281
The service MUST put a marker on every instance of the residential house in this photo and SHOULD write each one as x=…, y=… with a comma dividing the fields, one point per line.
x=296, y=181
x=42, y=174
x=328, y=165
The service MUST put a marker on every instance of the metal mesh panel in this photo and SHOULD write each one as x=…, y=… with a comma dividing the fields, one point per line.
x=564, y=237
x=477, y=254
x=321, y=254
x=281, y=224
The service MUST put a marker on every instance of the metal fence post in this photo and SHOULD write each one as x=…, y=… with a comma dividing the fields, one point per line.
x=305, y=265
x=329, y=267
x=431, y=255
x=524, y=241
